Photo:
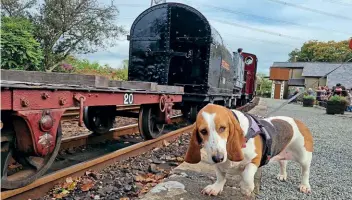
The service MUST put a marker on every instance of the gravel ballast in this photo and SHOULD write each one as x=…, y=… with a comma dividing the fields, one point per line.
x=331, y=169
x=71, y=128
x=127, y=179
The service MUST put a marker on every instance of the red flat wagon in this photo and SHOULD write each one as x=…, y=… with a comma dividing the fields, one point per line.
x=32, y=104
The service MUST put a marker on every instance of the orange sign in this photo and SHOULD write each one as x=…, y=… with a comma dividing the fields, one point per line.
x=225, y=65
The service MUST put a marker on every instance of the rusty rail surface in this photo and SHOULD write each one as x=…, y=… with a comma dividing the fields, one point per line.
x=41, y=186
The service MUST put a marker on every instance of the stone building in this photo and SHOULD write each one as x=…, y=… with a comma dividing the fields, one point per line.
x=287, y=76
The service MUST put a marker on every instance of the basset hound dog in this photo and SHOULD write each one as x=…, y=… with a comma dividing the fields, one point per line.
x=237, y=140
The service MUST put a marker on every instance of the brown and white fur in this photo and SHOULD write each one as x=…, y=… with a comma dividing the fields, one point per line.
x=222, y=136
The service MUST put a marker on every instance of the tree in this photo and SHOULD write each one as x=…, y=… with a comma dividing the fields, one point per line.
x=66, y=27
x=315, y=51
x=264, y=85
x=16, y=8
x=19, y=49
x=123, y=72
x=125, y=64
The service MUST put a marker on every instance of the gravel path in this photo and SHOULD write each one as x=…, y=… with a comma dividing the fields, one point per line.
x=331, y=170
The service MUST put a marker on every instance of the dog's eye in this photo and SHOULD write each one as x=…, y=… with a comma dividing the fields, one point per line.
x=204, y=132
x=222, y=129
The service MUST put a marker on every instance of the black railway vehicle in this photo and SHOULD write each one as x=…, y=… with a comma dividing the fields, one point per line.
x=174, y=44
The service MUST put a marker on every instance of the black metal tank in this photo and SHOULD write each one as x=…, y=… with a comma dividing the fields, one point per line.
x=174, y=44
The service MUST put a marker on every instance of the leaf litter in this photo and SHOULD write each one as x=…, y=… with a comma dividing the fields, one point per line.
x=128, y=179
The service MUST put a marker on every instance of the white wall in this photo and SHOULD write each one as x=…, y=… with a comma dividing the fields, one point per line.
x=281, y=89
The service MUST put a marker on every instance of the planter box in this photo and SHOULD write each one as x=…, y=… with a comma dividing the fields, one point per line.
x=308, y=102
x=322, y=104
x=334, y=108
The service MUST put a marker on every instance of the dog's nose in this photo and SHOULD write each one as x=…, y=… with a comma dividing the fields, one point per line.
x=219, y=157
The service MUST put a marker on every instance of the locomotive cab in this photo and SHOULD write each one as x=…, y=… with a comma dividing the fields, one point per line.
x=189, y=39
x=168, y=45
x=174, y=44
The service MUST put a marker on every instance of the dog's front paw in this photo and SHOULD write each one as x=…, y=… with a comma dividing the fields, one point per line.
x=213, y=189
x=281, y=177
x=246, y=189
x=305, y=189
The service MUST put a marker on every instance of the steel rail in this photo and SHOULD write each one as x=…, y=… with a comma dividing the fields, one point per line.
x=113, y=134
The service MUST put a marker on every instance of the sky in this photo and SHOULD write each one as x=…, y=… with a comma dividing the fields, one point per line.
x=266, y=28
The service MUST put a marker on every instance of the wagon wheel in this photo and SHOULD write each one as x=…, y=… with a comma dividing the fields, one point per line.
x=32, y=168
x=190, y=112
x=149, y=127
x=185, y=111
x=99, y=119
x=193, y=113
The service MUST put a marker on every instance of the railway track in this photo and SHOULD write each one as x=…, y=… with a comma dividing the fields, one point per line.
x=42, y=185
x=113, y=134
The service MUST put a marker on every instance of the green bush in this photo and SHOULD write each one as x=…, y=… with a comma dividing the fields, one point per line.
x=83, y=66
x=308, y=101
x=19, y=49
x=336, y=105
x=336, y=99
x=308, y=97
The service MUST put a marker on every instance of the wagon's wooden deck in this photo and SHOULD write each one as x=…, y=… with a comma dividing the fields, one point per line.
x=62, y=81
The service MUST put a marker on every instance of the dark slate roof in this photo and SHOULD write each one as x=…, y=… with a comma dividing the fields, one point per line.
x=318, y=69
x=296, y=82
x=288, y=64
x=311, y=69
x=342, y=75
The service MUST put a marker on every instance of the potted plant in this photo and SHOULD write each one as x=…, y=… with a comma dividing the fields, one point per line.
x=308, y=100
x=336, y=105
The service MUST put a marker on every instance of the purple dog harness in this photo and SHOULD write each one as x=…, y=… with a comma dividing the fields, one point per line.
x=256, y=128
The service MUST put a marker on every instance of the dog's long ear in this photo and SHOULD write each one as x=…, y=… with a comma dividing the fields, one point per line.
x=193, y=153
x=234, y=140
